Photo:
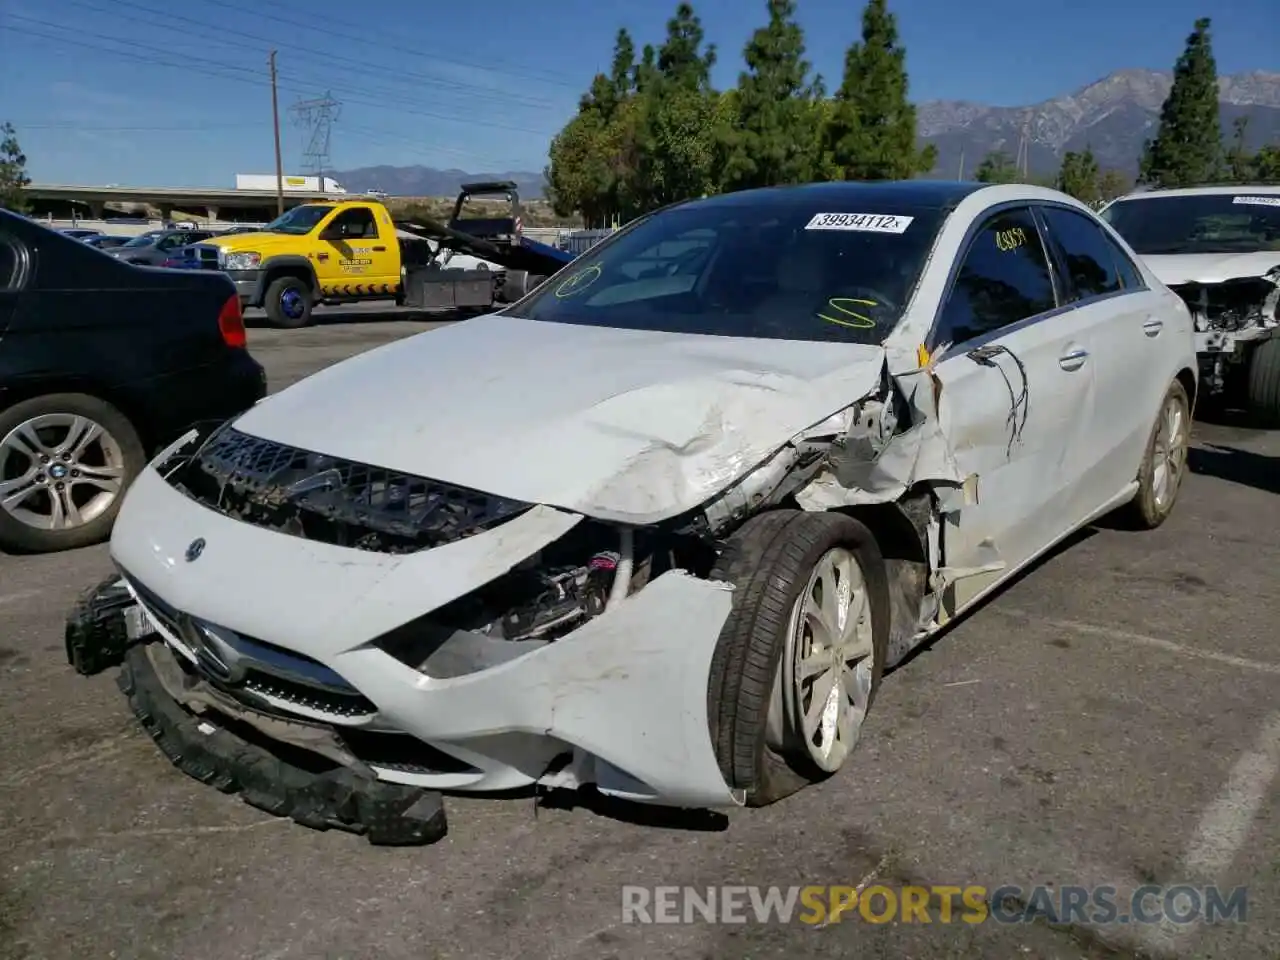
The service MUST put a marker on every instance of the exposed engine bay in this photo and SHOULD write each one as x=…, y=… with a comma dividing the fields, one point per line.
x=1229, y=316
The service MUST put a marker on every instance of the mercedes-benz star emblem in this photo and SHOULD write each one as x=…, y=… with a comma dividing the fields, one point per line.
x=194, y=549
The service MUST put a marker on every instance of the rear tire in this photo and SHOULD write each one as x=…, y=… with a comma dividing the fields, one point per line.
x=89, y=482
x=755, y=696
x=1164, y=464
x=288, y=303
x=1264, y=382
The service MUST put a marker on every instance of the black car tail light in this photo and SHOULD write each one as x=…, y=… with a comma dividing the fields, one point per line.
x=231, y=324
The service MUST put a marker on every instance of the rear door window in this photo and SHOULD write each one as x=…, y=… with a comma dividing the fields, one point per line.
x=1003, y=279
x=1093, y=264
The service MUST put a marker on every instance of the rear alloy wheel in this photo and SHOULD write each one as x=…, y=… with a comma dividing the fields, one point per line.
x=1264, y=382
x=288, y=303
x=799, y=660
x=1165, y=464
x=65, y=462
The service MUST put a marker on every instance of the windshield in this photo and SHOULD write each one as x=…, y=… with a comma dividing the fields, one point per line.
x=767, y=267
x=143, y=239
x=300, y=220
x=1204, y=223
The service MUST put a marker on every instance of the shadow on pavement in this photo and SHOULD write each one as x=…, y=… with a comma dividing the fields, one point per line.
x=1236, y=466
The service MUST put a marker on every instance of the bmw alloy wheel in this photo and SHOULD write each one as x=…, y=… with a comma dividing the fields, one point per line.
x=823, y=688
x=59, y=471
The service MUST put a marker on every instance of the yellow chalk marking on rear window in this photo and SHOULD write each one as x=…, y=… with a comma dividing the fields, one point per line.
x=575, y=284
x=922, y=356
x=846, y=316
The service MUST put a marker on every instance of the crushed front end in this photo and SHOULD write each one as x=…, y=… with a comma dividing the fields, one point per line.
x=1231, y=318
x=339, y=642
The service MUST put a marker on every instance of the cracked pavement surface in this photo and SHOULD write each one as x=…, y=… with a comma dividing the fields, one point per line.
x=1111, y=718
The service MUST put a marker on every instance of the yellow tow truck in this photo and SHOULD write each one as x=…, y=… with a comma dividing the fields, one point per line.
x=351, y=251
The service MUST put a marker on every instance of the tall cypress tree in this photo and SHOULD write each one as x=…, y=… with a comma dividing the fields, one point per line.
x=1187, y=147
x=873, y=128
x=772, y=143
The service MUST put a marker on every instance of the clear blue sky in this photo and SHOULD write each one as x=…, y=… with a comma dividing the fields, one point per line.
x=148, y=92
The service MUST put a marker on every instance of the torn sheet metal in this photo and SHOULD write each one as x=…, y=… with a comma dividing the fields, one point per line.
x=625, y=425
x=877, y=462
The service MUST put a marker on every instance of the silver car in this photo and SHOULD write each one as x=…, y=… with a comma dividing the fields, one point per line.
x=157, y=246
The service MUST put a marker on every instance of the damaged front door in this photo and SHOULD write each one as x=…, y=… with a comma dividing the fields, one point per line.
x=1016, y=385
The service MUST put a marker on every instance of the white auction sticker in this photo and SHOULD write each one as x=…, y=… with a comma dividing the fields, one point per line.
x=1259, y=201
x=864, y=222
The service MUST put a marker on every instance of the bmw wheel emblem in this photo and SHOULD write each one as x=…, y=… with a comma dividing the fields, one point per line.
x=194, y=549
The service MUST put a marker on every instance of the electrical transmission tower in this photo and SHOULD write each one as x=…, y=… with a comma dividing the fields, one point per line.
x=317, y=116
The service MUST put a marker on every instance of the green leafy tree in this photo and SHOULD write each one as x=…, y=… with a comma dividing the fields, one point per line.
x=1113, y=184
x=996, y=167
x=1079, y=176
x=771, y=142
x=676, y=145
x=1240, y=164
x=1187, y=147
x=872, y=135
x=13, y=171
x=592, y=160
x=1266, y=163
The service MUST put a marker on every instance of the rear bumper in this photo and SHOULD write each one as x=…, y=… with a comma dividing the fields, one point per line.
x=215, y=391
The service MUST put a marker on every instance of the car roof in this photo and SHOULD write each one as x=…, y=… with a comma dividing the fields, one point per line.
x=1217, y=189
x=940, y=194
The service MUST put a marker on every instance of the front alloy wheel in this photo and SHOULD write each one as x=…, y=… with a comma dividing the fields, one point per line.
x=823, y=688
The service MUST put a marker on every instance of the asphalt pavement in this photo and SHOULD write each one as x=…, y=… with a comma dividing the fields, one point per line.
x=1113, y=718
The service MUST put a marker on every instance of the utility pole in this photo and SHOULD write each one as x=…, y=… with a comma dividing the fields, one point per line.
x=275, y=123
x=960, y=175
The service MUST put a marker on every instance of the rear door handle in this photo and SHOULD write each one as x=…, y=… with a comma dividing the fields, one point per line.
x=1152, y=327
x=1074, y=359
x=380, y=249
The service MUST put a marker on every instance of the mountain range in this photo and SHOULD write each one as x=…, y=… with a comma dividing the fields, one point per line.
x=1113, y=117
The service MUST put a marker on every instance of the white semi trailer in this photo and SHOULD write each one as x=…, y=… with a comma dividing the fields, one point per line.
x=267, y=181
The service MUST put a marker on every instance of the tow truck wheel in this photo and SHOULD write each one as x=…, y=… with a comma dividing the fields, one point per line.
x=1264, y=382
x=288, y=303
x=799, y=660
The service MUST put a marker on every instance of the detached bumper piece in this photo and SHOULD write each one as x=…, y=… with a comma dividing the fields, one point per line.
x=387, y=814
x=99, y=635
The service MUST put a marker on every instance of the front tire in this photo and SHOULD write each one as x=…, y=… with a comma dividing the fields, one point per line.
x=1264, y=382
x=66, y=461
x=1164, y=464
x=799, y=661
x=288, y=303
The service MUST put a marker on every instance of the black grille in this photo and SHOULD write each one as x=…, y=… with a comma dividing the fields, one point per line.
x=335, y=501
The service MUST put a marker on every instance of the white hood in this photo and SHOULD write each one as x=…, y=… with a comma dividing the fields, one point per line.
x=622, y=425
x=1211, y=267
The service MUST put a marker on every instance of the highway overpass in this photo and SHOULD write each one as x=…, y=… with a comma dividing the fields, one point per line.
x=60, y=199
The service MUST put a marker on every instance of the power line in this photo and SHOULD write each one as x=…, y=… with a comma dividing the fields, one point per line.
x=222, y=72
x=475, y=91
x=352, y=35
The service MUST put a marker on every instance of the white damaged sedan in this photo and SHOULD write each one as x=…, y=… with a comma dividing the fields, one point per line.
x=659, y=527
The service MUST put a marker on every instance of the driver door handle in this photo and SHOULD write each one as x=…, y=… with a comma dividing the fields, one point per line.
x=1152, y=327
x=1073, y=359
